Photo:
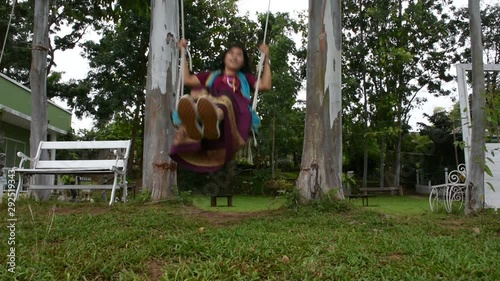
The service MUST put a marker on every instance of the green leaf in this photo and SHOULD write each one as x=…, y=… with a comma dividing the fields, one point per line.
x=491, y=160
x=487, y=170
x=491, y=186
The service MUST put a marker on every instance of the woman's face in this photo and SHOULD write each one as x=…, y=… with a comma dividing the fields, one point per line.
x=234, y=59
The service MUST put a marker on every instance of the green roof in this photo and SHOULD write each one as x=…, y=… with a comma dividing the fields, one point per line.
x=15, y=100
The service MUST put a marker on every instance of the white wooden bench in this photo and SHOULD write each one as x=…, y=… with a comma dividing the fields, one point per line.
x=116, y=166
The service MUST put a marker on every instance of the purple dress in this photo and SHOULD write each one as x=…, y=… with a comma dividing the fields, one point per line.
x=211, y=155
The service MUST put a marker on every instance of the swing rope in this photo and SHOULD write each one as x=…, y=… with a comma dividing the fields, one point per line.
x=260, y=67
x=7, y=31
x=261, y=61
x=180, y=86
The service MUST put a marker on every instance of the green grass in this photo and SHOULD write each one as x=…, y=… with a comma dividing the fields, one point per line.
x=241, y=203
x=175, y=242
x=401, y=205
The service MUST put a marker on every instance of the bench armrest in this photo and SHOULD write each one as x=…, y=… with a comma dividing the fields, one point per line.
x=118, y=154
x=24, y=157
x=120, y=171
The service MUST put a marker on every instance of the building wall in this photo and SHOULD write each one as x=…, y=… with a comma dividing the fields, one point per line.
x=492, y=197
x=12, y=140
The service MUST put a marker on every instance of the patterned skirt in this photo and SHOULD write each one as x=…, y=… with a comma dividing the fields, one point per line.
x=207, y=156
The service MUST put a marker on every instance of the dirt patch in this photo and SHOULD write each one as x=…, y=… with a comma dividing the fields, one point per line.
x=394, y=257
x=455, y=224
x=92, y=210
x=225, y=218
x=155, y=268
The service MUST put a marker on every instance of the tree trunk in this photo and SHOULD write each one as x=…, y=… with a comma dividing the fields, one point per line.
x=143, y=121
x=455, y=147
x=475, y=178
x=136, y=124
x=321, y=169
x=397, y=161
x=38, y=84
x=401, y=93
x=295, y=159
x=273, y=148
x=366, y=116
x=382, y=163
x=159, y=171
x=365, y=162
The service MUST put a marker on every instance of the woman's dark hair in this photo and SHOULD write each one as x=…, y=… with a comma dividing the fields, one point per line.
x=245, y=68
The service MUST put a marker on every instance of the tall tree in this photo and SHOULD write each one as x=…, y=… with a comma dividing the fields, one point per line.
x=356, y=89
x=72, y=18
x=114, y=86
x=16, y=58
x=394, y=49
x=475, y=177
x=321, y=169
x=211, y=33
x=490, y=25
x=159, y=171
x=38, y=81
x=443, y=136
x=276, y=106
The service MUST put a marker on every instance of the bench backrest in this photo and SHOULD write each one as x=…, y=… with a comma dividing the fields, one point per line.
x=79, y=164
x=122, y=146
x=85, y=145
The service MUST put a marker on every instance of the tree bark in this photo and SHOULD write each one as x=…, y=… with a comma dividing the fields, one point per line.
x=365, y=160
x=38, y=84
x=159, y=170
x=365, y=114
x=382, y=161
x=136, y=124
x=397, y=161
x=273, y=148
x=475, y=179
x=143, y=121
x=321, y=168
x=400, y=112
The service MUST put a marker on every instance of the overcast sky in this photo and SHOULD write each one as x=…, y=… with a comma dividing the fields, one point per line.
x=76, y=67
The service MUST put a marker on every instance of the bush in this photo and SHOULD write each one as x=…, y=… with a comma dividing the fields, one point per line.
x=330, y=203
x=279, y=186
x=285, y=165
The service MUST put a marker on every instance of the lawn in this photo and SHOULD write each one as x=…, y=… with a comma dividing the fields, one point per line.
x=167, y=241
x=381, y=203
x=400, y=205
x=241, y=203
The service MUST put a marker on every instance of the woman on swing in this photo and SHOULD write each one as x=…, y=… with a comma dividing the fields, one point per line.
x=216, y=118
